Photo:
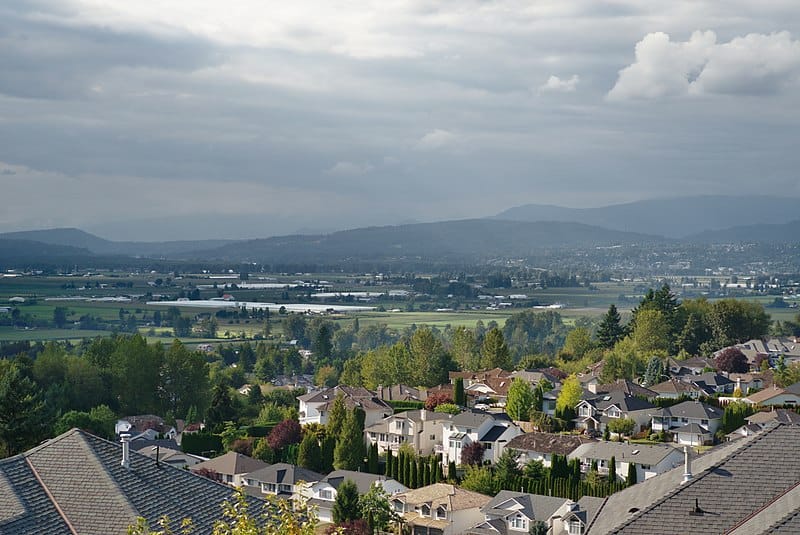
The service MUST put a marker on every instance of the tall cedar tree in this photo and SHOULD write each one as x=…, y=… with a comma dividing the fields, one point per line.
x=494, y=351
x=388, y=468
x=610, y=331
x=345, y=508
x=612, y=469
x=372, y=463
x=631, y=474
x=310, y=453
x=458, y=393
x=337, y=415
x=350, y=451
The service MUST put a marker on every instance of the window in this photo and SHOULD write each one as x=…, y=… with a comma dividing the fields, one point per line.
x=284, y=488
x=487, y=445
x=398, y=424
x=326, y=494
x=575, y=527
x=398, y=506
x=441, y=513
x=425, y=510
x=519, y=522
x=432, y=437
x=269, y=487
x=704, y=422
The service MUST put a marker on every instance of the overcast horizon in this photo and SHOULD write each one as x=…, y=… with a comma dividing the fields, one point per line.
x=178, y=120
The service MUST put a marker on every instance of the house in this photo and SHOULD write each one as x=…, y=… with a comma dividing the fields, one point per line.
x=495, y=388
x=470, y=378
x=315, y=406
x=79, y=483
x=675, y=388
x=440, y=509
x=713, y=383
x=775, y=396
x=542, y=446
x=689, y=422
x=400, y=393
x=150, y=425
x=493, y=430
x=553, y=376
x=693, y=366
x=593, y=414
x=774, y=417
x=626, y=386
x=283, y=480
x=749, y=486
x=514, y=512
x=572, y=518
x=649, y=459
x=229, y=468
x=172, y=457
x=746, y=382
x=422, y=429
x=323, y=492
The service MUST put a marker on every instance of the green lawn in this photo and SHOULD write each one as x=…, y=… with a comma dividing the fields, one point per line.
x=9, y=334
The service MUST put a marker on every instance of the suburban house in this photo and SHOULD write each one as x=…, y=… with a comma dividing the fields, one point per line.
x=692, y=366
x=148, y=425
x=323, y=492
x=440, y=509
x=478, y=377
x=284, y=480
x=692, y=423
x=79, y=483
x=626, y=386
x=230, y=468
x=775, y=396
x=713, y=383
x=422, y=429
x=534, y=377
x=674, y=388
x=774, y=417
x=572, y=518
x=593, y=414
x=315, y=406
x=495, y=388
x=172, y=457
x=493, y=430
x=542, y=446
x=752, y=381
x=749, y=486
x=400, y=393
x=649, y=459
x=515, y=512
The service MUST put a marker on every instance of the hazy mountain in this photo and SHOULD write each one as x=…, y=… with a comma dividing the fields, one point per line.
x=32, y=250
x=678, y=217
x=784, y=233
x=83, y=240
x=465, y=240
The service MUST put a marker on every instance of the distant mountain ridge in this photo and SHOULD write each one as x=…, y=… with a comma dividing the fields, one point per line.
x=675, y=218
x=80, y=239
x=783, y=233
x=462, y=240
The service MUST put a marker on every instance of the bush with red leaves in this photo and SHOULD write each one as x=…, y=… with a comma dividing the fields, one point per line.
x=285, y=433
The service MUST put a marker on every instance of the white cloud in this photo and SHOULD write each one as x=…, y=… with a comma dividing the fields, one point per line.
x=556, y=84
x=350, y=169
x=753, y=64
x=435, y=139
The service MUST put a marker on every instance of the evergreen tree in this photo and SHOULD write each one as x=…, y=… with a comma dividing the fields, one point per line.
x=631, y=474
x=350, y=451
x=221, y=409
x=408, y=478
x=494, y=351
x=452, y=475
x=610, y=331
x=21, y=411
x=346, y=508
x=372, y=463
x=458, y=393
x=337, y=415
x=420, y=472
x=328, y=447
x=388, y=468
x=612, y=470
x=310, y=453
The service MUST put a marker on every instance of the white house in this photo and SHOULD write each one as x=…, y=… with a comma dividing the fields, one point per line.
x=594, y=413
x=512, y=512
x=283, y=479
x=541, y=446
x=493, y=430
x=315, y=406
x=421, y=429
x=230, y=468
x=323, y=492
x=650, y=460
x=440, y=509
x=774, y=396
x=680, y=420
x=572, y=518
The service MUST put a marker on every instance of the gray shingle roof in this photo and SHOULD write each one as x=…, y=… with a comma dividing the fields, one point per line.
x=547, y=442
x=731, y=483
x=84, y=479
x=691, y=409
x=637, y=453
x=534, y=506
x=283, y=473
x=231, y=463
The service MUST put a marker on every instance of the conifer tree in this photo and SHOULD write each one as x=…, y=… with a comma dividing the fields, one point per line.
x=388, y=469
x=372, y=463
x=349, y=452
x=310, y=453
x=612, y=470
x=459, y=397
x=610, y=331
x=346, y=508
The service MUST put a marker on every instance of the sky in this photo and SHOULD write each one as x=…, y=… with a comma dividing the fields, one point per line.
x=177, y=119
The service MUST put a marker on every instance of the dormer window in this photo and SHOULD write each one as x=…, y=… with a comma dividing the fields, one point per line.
x=425, y=510
x=398, y=506
x=519, y=522
x=575, y=527
x=441, y=513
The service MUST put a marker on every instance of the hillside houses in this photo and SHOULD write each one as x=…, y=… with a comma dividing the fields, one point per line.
x=691, y=423
x=649, y=459
x=595, y=413
x=492, y=430
x=421, y=429
x=315, y=406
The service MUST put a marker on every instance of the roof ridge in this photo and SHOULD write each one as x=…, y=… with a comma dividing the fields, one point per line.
x=51, y=497
x=51, y=441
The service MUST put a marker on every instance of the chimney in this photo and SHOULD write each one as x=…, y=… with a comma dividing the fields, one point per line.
x=423, y=414
x=687, y=471
x=125, y=438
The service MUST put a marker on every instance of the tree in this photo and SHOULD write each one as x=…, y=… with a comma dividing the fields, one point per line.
x=346, y=508
x=309, y=454
x=734, y=321
x=621, y=426
x=459, y=396
x=376, y=510
x=372, y=459
x=732, y=360
x=285, y=433
x=577, y=344
x=612, y=469
x=506, y=470
x=479, y=479
x=326, y=376
x=21, y=409
x=654, y=371
x=651, y=331
x=429, y=359
x=538, y=527
x=569, y=396
x=494, y=351
x=221, y=409
x=610, y=331
x=350, y=452
x=472, y=454
x=337, y=415
x=448, y=408
x=437, y=398
x=184, y=380
x=60, y=317
x=465, y=349
x=520, y=399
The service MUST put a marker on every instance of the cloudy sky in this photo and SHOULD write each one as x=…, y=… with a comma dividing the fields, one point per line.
x=182, y=119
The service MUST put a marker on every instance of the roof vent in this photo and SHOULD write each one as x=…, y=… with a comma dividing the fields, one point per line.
x=634, y=452
x=125, y=438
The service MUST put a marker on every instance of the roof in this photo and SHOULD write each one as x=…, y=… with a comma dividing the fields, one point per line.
x=761, y=471
x=363, y=480
x=692, y=429
x=547, y=443
x=764, y=395
x=534, y=506
x=452, y=497
x=76, y=480
x=231, y=463
x=625, y=402
x=674, y=386
x=287, y=474
x=622, y=452
x=691, y=409
x=626, y=386
x=778, y=415
x=475, y=418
